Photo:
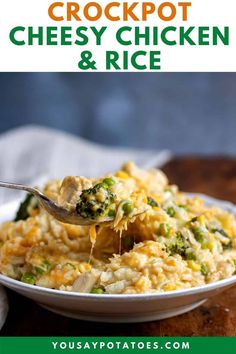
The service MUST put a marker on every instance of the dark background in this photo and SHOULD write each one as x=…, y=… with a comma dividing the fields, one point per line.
x=184, y=112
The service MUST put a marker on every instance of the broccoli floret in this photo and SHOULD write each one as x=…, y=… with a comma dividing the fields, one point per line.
x=44, y=267
x=198, y=234
x=164, y=229
x=234, y=261
x=177, y=246
x=221, y=231
x=190, y=255
x=204, y=269
x=96, y=201
x=227, y=246
x=28, y=278
x=23, y=212
x=97, y=290
x=152, y=202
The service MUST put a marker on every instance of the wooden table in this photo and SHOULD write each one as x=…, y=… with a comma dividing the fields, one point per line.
x=216, y=177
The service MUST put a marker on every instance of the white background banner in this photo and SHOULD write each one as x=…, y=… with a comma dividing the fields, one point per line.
x=60, y=57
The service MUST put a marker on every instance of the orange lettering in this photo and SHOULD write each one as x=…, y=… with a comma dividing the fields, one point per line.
x=185, y=9
x=86, y=11
x=128, y=11
x=72, y=11
x=161, y=8
x=147, y=8
x=107, y=11
x=51, y=11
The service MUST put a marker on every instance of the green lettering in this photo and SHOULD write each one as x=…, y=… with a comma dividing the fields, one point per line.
x=184, y=36
x=13, y=33
x=203, y=35
x=125, y=60
x=51, y=36
x=134, y=60
x=164, y=33
x=65, y=36
x=83, y=38
x=155, y=60
x=119, y=33
x=217, y=34
x=111, y=60
x=145, y=35
x=98, y=34
x=38, y=36
x=155, y=35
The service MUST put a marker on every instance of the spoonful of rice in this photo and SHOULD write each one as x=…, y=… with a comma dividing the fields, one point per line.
x=95, y=205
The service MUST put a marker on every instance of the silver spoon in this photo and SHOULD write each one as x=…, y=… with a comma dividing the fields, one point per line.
x=58, y=212
x=55, y=210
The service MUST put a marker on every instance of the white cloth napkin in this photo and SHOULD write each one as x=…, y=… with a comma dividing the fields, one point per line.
x=33, y=154
x=3, y=306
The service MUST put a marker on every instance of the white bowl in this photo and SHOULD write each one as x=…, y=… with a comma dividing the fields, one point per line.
x=118, y=308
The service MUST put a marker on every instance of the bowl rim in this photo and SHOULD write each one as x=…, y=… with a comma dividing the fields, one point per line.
x=229, y=281
x=17, y=284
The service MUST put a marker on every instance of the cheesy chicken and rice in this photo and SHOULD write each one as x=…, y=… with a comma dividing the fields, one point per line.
x=159, y=240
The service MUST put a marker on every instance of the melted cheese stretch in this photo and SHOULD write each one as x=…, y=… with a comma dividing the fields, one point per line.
x=177, y=243
x=93, y=234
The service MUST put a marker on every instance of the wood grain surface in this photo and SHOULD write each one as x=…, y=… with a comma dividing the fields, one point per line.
x=216, y=177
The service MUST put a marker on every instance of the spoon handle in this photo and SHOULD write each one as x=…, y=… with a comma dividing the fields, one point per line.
x=17, y=186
